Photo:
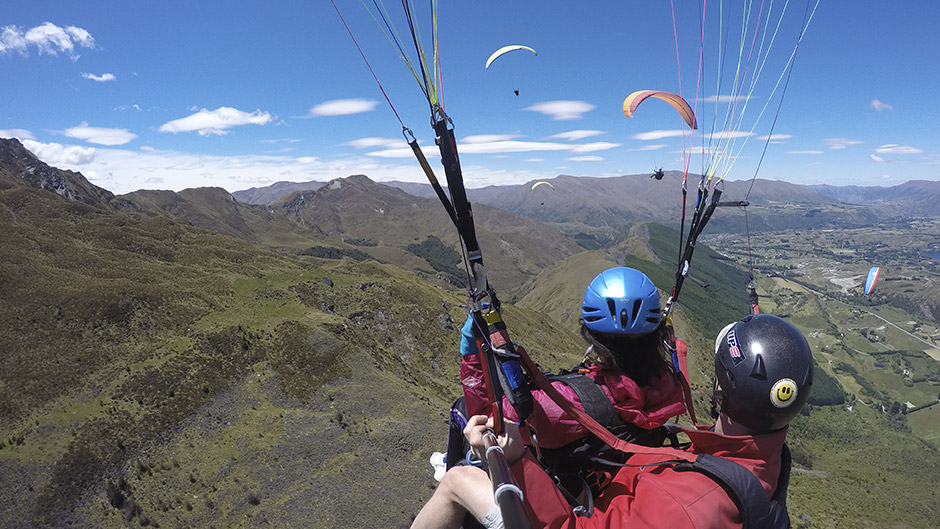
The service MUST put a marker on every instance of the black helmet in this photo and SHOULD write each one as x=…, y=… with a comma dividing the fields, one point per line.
x=765, y=369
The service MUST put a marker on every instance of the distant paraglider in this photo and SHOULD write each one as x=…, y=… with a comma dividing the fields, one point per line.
x=541, y=183
x=515, y=92
x=873, y=276
x=658, y=174
x=506, y=49
x=633, y=100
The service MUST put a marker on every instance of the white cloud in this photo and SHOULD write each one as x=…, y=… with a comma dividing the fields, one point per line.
x=58, y=155
x=724, y=99
x=804, y=152
x=775, y=137
x=100, y=78
x=893, y=148
x=99, y=135
x=876, y=159
x=585, y=159
x=574, y=135
x=19, y=134
x=596, y=146
x=880, y=105
x=562, y=110
x=364, y=143
x=342, y=107
x=48, y=39
x=659, y=134
x=840, y=143
x=655, y=147
x=534, y=159
x=214, y=122
x=122, y=170
x=727, y=135
x=135, y=106
x=488, y=138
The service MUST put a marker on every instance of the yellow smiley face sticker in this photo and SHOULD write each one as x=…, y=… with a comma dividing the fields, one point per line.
x=783, y=393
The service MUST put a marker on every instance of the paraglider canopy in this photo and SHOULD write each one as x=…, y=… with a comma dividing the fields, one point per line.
x=873, y=275
x=549, y=184
x=633, y=100
x=506, y=49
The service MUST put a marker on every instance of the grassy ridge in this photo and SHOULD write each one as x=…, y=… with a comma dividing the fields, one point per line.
x=159, y=375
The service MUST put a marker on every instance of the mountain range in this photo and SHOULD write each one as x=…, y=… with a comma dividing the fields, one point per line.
x=190, y=359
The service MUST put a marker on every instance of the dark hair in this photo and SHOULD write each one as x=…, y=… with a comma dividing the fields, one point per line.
x=642, y=358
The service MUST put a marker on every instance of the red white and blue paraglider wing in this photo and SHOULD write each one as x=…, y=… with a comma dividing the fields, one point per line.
x=873, y=276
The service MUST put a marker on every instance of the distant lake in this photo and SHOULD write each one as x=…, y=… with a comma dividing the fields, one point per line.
x=933, y=255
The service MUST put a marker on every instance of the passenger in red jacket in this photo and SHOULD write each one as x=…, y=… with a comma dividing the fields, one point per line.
x=764, y=373
x=626, y=358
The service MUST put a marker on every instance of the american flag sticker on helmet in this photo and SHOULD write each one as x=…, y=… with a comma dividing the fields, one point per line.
x=736, y=356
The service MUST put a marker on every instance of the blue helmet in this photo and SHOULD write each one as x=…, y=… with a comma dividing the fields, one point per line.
x=621, y=300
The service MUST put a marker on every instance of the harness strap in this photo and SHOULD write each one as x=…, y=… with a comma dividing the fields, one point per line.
x=593, y=399
x=682, y=362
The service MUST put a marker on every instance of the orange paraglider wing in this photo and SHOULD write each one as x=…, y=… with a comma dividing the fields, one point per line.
x=633, y=100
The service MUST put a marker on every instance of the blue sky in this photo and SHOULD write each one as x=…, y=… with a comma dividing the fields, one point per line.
x=172, y=94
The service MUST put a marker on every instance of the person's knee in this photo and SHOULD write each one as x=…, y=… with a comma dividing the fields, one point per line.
x=458, y=480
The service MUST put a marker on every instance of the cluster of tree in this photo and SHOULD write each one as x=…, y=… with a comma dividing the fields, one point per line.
x=328, y=252
x=441, y=257
x=360, y=242
x=826, y=390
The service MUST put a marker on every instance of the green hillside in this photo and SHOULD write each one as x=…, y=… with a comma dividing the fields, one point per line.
x=716, y=293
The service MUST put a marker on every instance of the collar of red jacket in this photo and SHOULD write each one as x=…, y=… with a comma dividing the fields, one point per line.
x=759, y=446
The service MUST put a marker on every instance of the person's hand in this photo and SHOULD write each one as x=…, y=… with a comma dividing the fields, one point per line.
x=468, y=344
x=510, y=439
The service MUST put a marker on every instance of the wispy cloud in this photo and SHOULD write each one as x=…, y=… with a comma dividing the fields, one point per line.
x=659, y=134
x=366, y=143
x=48, y=39
x=534, y=159
x=876, y=159
x=135, y=106
x=502, y=146
x=574, y=135
x=585, y=159
x=562, y=110
x=342, y=107
x=281, y=140
x=654, y=147
x=489, y=138
x=103, y=78
x=215, y=122
x=893, y=148
x=595, y=146
x=804, y=152
x=774, y=137
x=840, y=143
x=58, y=155
x=725, y=99
x=99, y=135
x=19, y=134
x=880, y=105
